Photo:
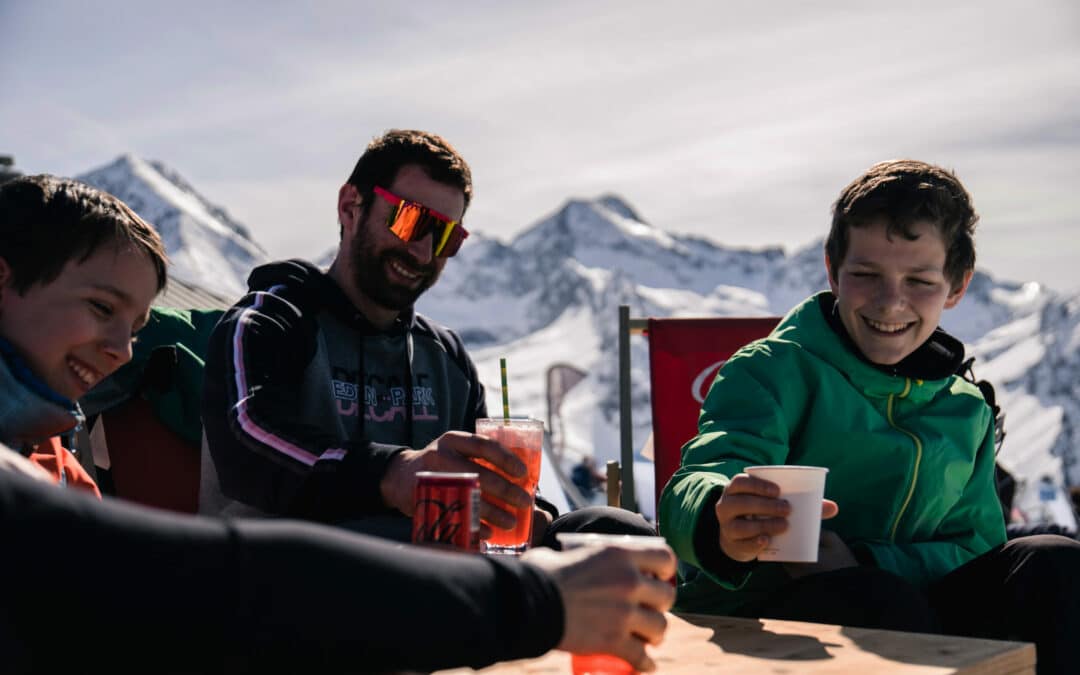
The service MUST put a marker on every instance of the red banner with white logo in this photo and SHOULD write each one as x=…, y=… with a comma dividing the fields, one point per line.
x=684, y=356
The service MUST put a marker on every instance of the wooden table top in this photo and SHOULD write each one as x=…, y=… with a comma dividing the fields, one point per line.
x=697, y=643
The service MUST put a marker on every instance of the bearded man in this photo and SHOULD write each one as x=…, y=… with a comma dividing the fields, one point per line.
x=326, y=393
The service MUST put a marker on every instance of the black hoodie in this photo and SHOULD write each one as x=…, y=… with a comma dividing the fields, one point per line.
x=305, y=402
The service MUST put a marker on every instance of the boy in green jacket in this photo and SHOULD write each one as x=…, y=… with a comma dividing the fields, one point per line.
x=862, y=381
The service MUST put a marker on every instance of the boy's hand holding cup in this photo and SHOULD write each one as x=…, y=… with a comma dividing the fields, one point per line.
x=774, y=513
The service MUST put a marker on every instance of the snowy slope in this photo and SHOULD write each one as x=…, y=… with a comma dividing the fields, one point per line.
x=205, y=246
x=1034, y=366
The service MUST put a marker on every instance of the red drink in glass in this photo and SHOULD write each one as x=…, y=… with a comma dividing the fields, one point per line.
x=524, y=438
x=600, y=664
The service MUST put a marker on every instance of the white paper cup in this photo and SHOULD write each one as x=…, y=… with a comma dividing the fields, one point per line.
x=804, y=488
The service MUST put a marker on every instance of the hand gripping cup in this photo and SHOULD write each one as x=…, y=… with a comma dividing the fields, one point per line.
x=602, y=664
x=525, y=438
x=804, y=488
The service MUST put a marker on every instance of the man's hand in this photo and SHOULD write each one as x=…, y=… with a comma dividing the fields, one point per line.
x=750, y=512
x=614, y=599
x=833, y=554
x=455, y=451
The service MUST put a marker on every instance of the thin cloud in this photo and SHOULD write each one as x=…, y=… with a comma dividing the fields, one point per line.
x=739, y=121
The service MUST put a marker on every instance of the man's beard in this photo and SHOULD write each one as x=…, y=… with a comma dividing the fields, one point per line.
x=369, y=274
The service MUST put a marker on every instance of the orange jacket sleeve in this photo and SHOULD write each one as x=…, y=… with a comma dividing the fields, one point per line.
x=63, y=466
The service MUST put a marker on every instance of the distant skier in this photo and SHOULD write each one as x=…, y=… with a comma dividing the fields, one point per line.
x=586, y=478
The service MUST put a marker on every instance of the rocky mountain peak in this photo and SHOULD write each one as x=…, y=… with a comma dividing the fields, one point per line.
x=205, y=245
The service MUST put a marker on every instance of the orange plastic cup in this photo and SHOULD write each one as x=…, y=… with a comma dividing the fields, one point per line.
x=600, y=664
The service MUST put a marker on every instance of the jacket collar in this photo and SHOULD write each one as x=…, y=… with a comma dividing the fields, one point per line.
x=939, y=357
x=30, y=411
x=343, y=308
x=321, y=288
x=815, y=325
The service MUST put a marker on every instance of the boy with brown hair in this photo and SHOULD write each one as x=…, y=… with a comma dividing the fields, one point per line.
x=78, y=271
x=861, y=380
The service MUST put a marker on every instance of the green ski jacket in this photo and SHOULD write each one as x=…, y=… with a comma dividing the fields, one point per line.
x=911, y=461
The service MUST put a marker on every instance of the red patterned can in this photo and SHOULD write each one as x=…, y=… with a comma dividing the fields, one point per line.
x=447, y=510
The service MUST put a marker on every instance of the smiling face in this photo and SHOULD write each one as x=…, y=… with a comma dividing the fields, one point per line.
x=77, y=329
x=380, y=273
x=891, y=291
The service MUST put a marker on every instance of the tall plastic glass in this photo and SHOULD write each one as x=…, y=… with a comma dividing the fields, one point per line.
x=525, y=438
x=603, y=664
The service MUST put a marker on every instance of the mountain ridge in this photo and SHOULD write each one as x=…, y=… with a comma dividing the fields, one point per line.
x=205, y=245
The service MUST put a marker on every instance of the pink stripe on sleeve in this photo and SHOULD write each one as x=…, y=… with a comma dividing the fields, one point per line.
x=247, y=425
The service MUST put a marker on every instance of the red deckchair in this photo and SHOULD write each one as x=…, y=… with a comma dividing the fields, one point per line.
x=684, y=355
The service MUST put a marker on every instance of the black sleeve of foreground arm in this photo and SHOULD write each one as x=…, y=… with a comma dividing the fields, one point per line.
x=184, y=594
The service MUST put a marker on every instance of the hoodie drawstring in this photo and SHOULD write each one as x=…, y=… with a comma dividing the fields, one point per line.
x=409, y=386
x=409, y=395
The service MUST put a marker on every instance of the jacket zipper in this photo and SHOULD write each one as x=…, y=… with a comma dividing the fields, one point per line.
x=918, y=455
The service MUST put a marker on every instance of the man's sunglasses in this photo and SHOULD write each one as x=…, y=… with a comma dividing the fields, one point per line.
x=411, y=221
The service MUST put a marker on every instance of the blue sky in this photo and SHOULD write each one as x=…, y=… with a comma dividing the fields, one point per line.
x=738, y=121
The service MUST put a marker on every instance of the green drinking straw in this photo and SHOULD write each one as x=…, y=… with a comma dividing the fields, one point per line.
x=506, y=396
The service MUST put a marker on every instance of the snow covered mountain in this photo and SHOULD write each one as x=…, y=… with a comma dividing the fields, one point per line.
x=551, y=295
x=206, y=246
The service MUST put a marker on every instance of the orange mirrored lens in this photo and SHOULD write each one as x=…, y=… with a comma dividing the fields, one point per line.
x=411, y=221
x=406, y=221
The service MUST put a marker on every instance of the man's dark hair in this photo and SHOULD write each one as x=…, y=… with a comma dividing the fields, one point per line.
x=385, y=156
x=46, y=221
x=904, y=192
